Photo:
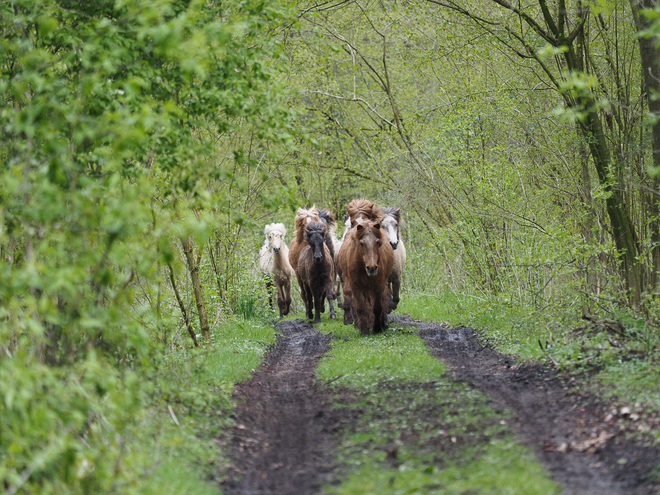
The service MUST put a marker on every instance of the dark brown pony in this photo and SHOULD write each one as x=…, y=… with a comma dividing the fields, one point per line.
x=303, y=217
x=316, y=272
x=365, y=261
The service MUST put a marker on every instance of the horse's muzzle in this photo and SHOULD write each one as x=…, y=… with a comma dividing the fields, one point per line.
x=318, y=260
x=276, y=250
x=372, y=272
x=394, y=245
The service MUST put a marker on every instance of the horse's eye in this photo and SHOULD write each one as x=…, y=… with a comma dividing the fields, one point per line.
x=379, y=244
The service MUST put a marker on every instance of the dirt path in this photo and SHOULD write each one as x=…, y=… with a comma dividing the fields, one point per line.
x=568, y=431
x=287, y=431
x=283, y=443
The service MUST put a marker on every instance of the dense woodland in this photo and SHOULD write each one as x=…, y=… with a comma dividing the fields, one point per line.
x=145, y=144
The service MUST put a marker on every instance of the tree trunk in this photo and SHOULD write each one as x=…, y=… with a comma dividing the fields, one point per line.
x=182, y=306
x=650, y=60
x=193, y=268
x=623, y=231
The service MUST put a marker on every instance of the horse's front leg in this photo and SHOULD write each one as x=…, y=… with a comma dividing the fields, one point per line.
x=280, y=298
x=318, y=303
x=269, y=289
x=330, y=294
x=348, y=304
x=307, y=298
x=336, y=287
x=287, y=297
x=361, y=310
x=396, y=287
x=380, y=315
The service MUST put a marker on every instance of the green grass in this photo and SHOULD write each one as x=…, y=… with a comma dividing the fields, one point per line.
x=196, y=384
x=632, y=381
x=418, y=431
x=504, y=468
x=366, y=362
x=513, y=329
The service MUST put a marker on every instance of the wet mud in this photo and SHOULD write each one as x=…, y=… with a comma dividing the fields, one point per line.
x=284, y=439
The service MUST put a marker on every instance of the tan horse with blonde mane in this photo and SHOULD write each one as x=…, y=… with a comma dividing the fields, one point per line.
x=274, y=259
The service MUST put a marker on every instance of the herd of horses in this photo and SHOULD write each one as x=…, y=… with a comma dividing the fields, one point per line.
x=366, y=264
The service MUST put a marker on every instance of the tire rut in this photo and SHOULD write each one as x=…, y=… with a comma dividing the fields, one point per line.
x=583, y=453
x=283, y=440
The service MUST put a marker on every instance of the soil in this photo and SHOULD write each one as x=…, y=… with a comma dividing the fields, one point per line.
x=287, y=430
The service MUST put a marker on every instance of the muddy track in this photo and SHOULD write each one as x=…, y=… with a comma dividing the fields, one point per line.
x=283, y=442
x=568, y=430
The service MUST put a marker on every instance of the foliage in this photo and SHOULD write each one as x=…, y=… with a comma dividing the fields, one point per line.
x=115, y=115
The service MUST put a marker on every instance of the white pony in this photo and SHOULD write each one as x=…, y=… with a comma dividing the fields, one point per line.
x=274, y=259
x=393, y=232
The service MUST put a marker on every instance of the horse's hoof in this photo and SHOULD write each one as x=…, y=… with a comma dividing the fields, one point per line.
x=333, y=316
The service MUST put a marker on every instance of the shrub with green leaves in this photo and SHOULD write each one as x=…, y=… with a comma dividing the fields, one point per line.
x=113, y=114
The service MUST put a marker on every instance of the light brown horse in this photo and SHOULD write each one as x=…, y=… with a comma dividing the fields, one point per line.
x=316, y=272
x=356, y=212
x=303, y=217
x=365, y=262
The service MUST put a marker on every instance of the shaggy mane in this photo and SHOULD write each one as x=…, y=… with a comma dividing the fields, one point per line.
x=365, y=209
x=315, y=227
x=328, y=218
x=303, y=214
x=395, y=213
x=275, y=227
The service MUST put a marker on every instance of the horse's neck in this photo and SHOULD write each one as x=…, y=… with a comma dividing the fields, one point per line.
x=281, y=259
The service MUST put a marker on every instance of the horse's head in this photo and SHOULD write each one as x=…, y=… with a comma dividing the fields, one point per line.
x=275, y=233
x=370, y=236
x=390, y=225
x=315, y=237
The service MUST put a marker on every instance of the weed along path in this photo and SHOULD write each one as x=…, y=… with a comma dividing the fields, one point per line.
x=282, y=443
x=568, y=432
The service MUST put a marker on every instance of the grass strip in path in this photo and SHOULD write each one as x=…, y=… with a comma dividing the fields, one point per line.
x=413, y=429
x=583, y=452
x=283, y=443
